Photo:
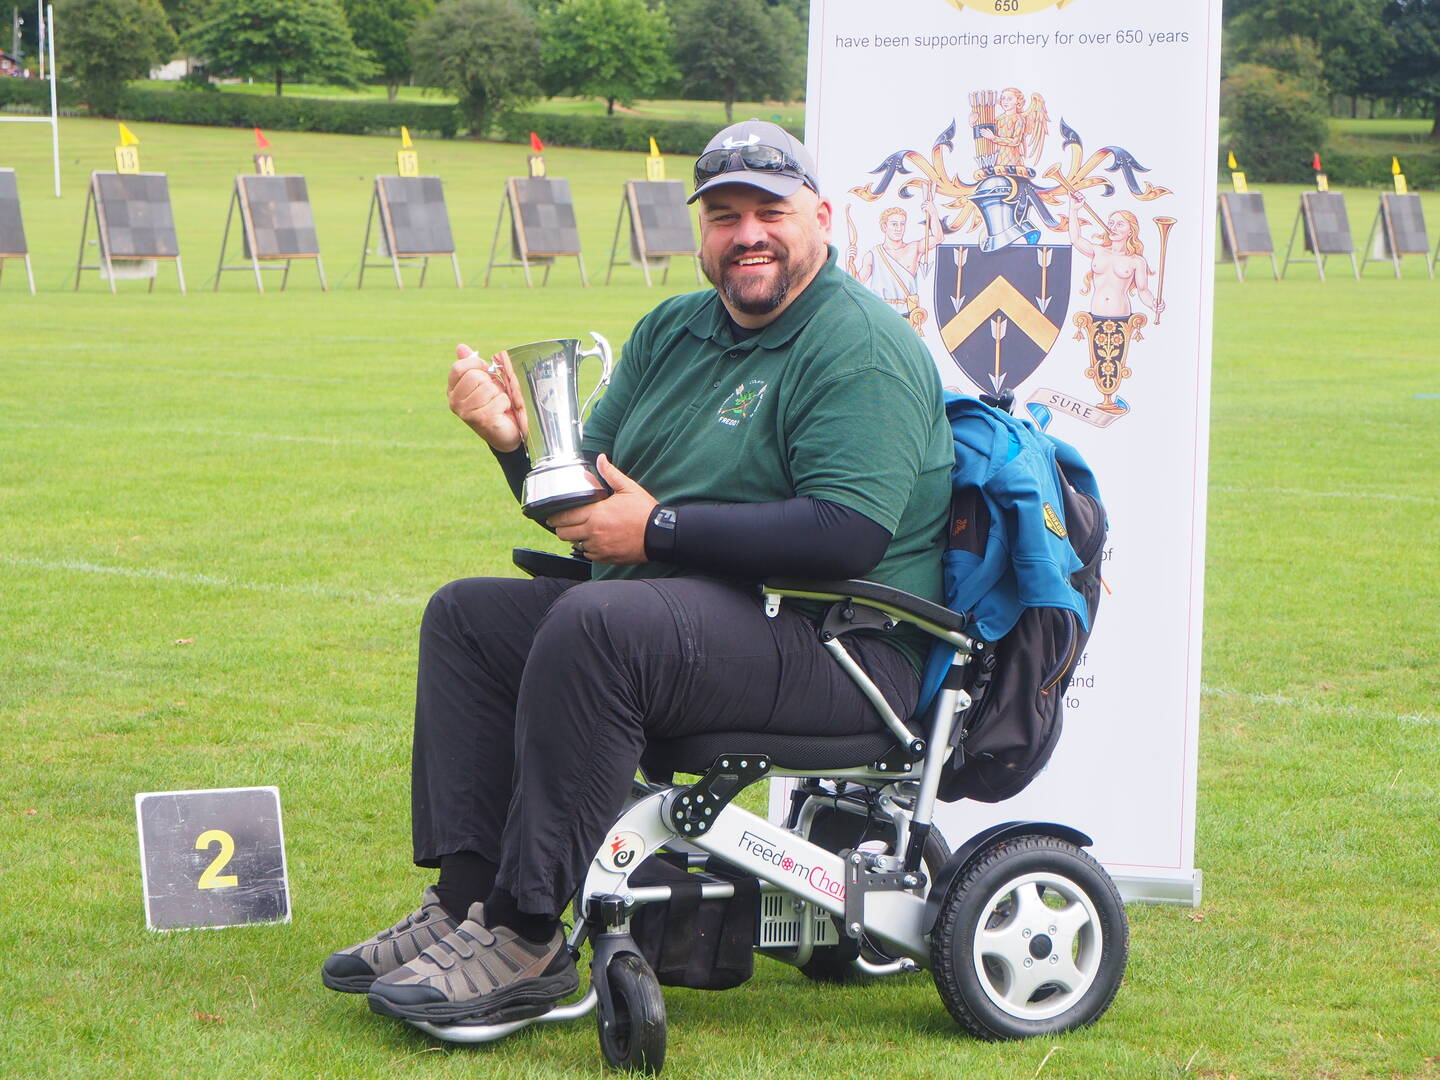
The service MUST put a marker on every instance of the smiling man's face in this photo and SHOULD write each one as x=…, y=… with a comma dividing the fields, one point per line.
x=759, y=250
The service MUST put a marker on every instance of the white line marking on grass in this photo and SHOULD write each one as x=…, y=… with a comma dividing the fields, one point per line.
x=324, y=440
x=212, y=581
x=1304, y=493
x=1328, y=708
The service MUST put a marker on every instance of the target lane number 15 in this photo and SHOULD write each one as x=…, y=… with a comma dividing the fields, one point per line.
x=212, y=858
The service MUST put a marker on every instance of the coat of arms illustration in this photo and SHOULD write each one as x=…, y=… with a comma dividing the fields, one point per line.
x=992, y=273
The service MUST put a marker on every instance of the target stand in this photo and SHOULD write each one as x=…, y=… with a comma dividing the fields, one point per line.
x=1398, y=230
x=134, y=227
x=1245, y=231
x=414, y=227
x=12, y=227
x=276, y=225
x=542, y=227
x=1326, y=227
x=660, y=227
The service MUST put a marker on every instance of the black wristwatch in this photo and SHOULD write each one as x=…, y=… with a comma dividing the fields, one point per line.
x=660, y=534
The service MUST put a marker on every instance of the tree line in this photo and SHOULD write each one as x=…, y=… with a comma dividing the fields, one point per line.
x=493, y=55
x=1284, y=60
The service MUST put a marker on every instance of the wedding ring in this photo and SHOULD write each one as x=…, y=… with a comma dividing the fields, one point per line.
x=578, y=547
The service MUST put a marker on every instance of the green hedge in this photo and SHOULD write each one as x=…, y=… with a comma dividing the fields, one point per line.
x=606, y=132
x=288, y=114
x=36, y=92
x=1348, y=169
x=248, y=110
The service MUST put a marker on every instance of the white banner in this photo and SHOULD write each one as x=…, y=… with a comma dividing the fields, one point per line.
x=1031, y=183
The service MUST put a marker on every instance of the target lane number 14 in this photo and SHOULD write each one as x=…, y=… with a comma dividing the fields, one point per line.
x=212, y=858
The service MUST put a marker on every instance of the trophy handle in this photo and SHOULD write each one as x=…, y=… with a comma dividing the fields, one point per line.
x=602, y=350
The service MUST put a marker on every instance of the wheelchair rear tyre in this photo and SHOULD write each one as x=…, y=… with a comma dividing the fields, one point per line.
x=632, y=1038
x=836, y=963
x=1030, y=940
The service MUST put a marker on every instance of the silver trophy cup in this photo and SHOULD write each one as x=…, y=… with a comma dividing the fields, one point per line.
x=548, y=375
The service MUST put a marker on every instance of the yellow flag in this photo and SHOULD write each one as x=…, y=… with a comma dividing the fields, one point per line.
x=405, y=140
x=1233, y=163
x=127, y=137
x=654, y=150
x=1395, y=166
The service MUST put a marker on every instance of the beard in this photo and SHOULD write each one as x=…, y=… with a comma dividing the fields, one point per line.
x=759, y=297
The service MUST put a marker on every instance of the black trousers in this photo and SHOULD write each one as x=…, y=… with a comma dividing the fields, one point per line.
x=535, y=698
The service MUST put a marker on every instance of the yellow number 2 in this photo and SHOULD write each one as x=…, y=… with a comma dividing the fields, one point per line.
x=212, y=878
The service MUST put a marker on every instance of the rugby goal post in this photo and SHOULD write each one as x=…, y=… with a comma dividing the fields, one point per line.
x=46, y=14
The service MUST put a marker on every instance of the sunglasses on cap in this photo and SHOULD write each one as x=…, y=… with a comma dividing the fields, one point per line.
x=754, y=158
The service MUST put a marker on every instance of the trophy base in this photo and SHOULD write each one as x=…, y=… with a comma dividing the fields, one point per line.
x=550, y=489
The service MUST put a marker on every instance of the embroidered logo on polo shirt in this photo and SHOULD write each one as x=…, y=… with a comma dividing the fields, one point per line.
x=742, y=402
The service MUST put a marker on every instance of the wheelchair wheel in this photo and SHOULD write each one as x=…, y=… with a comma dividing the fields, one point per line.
x=836, y=963
x=633, y=1038
x=1031, y=940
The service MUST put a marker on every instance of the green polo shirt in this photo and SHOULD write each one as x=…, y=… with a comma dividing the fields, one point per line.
x=837, y=399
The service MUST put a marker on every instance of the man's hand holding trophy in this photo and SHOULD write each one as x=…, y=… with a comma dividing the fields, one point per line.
x=528, y=396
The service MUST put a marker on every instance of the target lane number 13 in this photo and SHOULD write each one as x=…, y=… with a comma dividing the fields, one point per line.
x=212, y=858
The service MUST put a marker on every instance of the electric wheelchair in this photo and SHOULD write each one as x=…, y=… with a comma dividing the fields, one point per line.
x=1023, y=932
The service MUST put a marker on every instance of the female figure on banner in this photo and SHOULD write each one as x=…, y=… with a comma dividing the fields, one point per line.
x=892, y=268
x=1117, y=271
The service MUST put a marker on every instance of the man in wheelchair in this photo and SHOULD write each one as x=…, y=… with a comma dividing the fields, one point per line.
x=785, y=423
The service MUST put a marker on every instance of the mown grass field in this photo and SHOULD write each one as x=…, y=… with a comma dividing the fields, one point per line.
x=221, y=514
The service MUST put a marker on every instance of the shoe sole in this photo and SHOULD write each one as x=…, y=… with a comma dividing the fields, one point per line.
x=348, y=984
x=517, y=1002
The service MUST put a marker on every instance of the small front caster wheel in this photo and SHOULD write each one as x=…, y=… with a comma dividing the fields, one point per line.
x=633, y=1036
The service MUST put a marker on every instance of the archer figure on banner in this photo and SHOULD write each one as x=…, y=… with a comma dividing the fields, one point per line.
x=1009, y=139
x=1117, y=271
x=892, y=269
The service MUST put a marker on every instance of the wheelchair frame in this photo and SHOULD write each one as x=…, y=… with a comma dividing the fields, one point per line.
x=884, y=901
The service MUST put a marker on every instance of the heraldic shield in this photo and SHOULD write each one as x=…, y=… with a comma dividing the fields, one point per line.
x=1000, y=312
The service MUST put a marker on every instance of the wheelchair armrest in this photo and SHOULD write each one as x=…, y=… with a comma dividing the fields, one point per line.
x=538, y=563
x=934, y=619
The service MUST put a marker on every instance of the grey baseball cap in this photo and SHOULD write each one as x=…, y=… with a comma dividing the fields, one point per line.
x=758, y=153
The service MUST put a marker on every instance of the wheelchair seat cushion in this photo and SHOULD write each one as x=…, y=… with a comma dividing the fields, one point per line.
x=696, y=753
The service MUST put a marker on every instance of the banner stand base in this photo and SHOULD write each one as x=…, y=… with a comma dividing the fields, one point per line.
x=1184, y=888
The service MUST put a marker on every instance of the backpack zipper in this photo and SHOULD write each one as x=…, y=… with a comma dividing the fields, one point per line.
x=1059, y=672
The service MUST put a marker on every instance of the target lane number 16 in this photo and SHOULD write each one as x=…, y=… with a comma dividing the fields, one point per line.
x=212, y=858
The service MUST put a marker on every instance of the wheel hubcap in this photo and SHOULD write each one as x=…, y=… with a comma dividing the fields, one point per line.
x=1037, y=945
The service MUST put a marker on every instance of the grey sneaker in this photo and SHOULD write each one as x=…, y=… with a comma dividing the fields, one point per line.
x=352, y=970
x=478, y=974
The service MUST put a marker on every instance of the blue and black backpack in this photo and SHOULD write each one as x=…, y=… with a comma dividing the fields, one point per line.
x=1022, y=562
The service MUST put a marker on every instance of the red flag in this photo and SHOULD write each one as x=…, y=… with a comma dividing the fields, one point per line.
x=260, y=141
x=1316, y=163
x=535, y=144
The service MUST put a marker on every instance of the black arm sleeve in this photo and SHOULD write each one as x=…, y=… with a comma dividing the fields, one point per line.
x=805, y=537
x=514, y=464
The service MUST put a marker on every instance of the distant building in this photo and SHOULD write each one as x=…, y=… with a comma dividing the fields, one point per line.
x=174, y=71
